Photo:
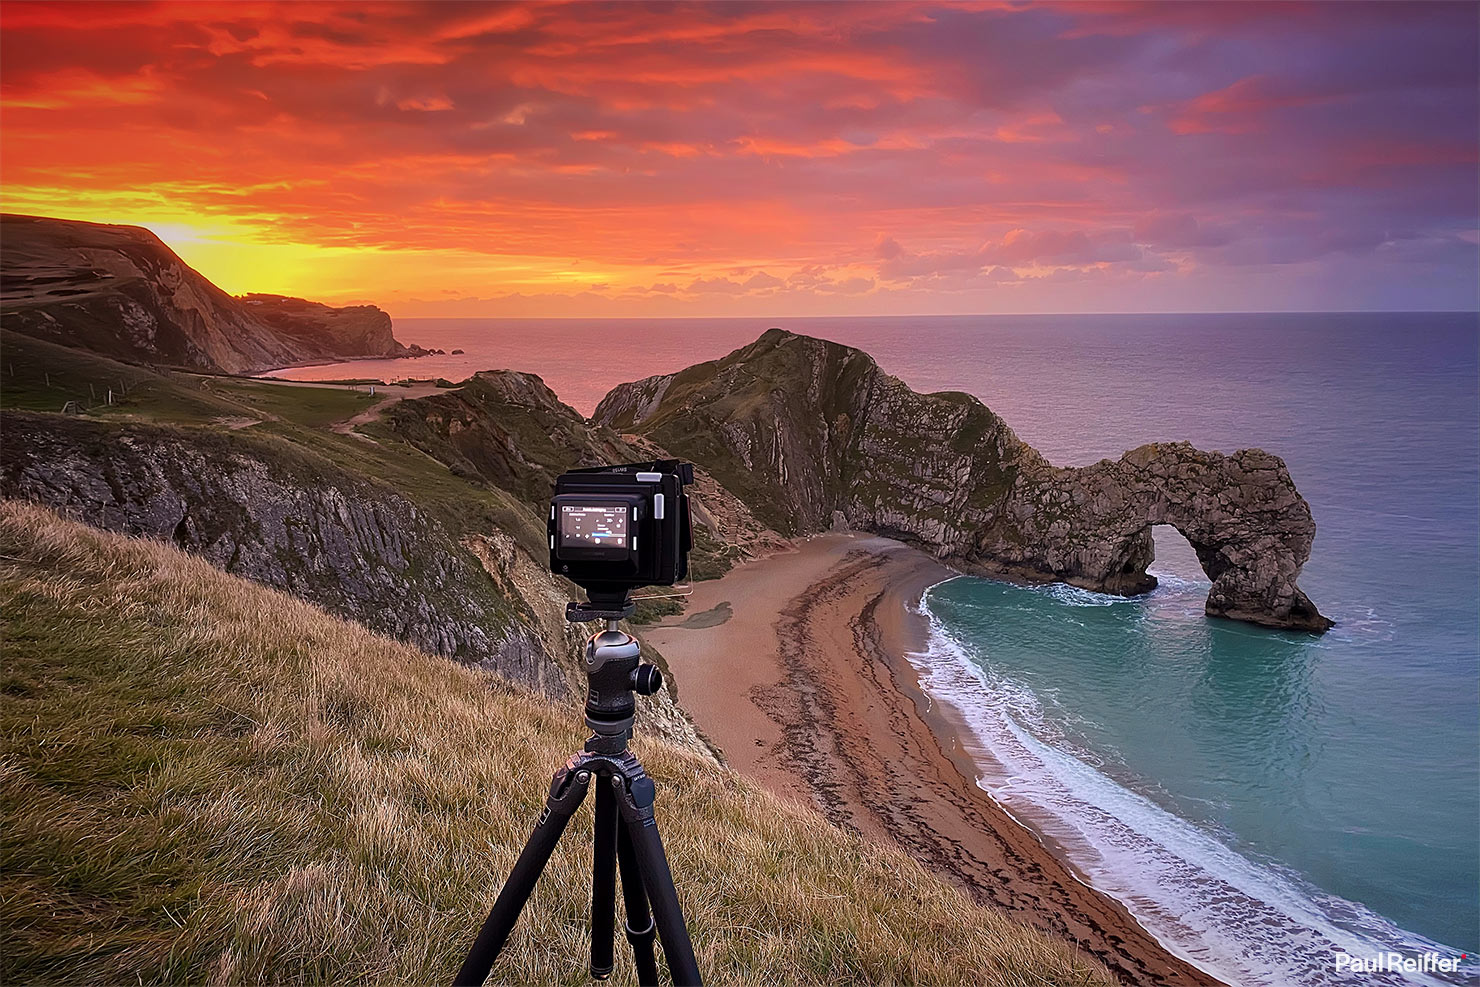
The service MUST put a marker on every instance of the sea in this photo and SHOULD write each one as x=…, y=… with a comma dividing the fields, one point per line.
x=1264, y=802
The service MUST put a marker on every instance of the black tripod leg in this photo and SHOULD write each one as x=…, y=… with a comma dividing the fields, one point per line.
x=637, y=812
x=604, y=882
x=566, y=792
x=641, y=931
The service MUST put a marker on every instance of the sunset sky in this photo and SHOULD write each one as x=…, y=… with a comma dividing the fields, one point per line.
x=758, y=159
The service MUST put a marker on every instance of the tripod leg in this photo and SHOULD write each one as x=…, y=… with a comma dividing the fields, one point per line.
x=637, y=811
x=566, y=792
x=640, y=928
x=604, y=882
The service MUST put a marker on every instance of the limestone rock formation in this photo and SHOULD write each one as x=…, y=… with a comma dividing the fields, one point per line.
x=509, y=430
x=119, y=291
x=262, y=509
x=801, y=428
x=355, y=330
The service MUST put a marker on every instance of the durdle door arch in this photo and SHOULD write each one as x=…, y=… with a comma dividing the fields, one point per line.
x=803, y=430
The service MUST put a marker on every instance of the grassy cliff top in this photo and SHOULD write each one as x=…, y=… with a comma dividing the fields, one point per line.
x=206, y=780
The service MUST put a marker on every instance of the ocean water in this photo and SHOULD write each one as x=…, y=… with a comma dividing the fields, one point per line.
x=1261, y=800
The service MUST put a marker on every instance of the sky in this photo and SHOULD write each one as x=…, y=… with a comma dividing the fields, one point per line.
x=758, y=159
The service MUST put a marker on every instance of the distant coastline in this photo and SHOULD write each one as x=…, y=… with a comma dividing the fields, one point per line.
x=336, y=361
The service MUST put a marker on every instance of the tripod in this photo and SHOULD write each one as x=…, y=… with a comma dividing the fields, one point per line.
x=626, y=832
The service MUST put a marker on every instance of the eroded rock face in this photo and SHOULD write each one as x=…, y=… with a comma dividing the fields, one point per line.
x=257, y=508
x=801, y=429
x=509, y=430
x=354, y=330
x=1091, y=526
x=119, y=291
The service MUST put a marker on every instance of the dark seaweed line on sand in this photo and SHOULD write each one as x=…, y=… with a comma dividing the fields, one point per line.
x=854, y=783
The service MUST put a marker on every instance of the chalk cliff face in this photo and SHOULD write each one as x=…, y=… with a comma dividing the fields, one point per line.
x=354, y=330
x=261, y=509
x=812, y=434
x=119, y=291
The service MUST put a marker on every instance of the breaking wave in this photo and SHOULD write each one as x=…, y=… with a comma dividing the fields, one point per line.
x=1242, y=920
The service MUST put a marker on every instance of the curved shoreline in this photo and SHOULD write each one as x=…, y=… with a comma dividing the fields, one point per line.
x=806, y=686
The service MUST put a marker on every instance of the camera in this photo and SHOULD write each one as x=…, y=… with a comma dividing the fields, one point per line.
x=614, y=528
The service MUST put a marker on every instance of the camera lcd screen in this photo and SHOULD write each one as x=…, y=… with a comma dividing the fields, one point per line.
x=593, y=525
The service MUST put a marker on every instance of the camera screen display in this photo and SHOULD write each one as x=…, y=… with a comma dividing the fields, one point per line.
x=593, y=525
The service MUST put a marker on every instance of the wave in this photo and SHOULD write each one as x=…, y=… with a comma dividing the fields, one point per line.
x=1242, y=920
x=1170, y=582
x=1167, y=585
x=1073, y=596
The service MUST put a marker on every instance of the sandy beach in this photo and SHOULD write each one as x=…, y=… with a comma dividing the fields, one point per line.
x=795, y=667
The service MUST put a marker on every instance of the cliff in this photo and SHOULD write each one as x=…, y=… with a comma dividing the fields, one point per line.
x=813, y=434
x=264, y=509
x=119, y=291
x=354, y=330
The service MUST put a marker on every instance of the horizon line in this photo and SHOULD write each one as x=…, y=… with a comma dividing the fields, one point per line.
x=945, y=315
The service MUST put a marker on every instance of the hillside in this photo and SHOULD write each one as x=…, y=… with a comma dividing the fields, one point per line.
x=120, y=292
x=812, y=434
x=509, y=430
x=275, y=482
x=275, y=795
x=251, y=476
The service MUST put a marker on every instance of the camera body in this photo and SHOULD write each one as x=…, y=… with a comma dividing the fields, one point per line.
x=614, y=528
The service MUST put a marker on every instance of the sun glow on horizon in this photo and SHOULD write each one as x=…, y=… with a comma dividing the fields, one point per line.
x=881, y=159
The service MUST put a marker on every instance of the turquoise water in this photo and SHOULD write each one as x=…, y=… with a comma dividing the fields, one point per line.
x=1335, y=780
x=1260, y=799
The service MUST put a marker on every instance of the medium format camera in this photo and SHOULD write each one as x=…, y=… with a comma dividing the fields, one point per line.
x=614, y=528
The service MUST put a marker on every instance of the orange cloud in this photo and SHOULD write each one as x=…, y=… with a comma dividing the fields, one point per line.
x=573, y=152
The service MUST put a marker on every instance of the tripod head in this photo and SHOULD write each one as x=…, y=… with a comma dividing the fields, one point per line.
x=614, y=670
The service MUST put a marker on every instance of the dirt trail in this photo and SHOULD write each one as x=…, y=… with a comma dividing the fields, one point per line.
x=388, y=394
x=347, y=426
x=392, y=395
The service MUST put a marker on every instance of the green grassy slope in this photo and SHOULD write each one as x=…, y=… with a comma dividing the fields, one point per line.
x=39, y=376
x=202, y=780
x=36, y=375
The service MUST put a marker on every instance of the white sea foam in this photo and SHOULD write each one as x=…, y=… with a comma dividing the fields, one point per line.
x=1241, y=920
x=1075, y=597
x=1167, y=585
x=1170, y=582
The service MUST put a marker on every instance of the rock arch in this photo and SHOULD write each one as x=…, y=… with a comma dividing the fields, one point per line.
x=803, y=430
x=1091, y=526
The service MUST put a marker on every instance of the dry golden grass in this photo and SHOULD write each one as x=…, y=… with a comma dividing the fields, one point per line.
x=207, y=781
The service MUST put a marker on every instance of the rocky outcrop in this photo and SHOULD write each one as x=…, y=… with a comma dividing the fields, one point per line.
x=261, y=508
x=1091, y=527
x=802, y=430
x=509, y=430
x=119, y=291
x=355, y=330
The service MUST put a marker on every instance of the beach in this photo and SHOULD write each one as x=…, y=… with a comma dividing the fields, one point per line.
x=795, y=667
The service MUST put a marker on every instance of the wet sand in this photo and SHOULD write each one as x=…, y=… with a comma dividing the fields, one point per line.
x=794, y=666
